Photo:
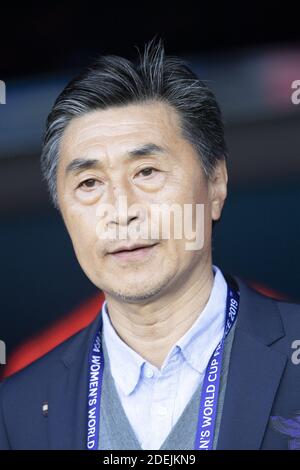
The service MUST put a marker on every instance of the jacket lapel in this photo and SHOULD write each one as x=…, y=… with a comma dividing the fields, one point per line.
x=67, y=393
x=254, y=372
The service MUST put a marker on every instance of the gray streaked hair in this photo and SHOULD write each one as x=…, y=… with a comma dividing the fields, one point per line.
x=115, y=81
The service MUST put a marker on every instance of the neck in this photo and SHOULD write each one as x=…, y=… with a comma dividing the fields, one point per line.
x=152, y=329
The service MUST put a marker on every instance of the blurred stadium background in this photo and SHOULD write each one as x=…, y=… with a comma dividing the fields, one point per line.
x=249, y=55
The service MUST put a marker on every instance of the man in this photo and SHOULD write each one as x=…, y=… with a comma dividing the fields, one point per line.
x=181, y=356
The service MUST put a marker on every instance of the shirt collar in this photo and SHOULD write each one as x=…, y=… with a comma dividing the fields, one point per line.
x=196, y=345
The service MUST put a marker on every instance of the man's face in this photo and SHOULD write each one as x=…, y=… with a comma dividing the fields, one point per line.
x=135, y=153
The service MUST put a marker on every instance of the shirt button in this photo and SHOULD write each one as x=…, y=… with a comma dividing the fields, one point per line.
x=162, y=411
x=149, y=372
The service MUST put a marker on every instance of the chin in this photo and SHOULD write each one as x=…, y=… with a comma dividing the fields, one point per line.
x=134, y=294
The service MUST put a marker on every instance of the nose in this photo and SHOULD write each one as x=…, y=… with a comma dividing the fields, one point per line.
x=124, y=202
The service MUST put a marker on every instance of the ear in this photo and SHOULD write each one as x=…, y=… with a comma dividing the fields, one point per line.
x=218, y=189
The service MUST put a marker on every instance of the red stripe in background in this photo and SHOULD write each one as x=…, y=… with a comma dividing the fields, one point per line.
x=59, y=331
x=70, y=324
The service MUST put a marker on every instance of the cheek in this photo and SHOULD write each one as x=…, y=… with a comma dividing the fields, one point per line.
x=188, y=185
x=176, y=249
x=82, y=230
x=179, y=258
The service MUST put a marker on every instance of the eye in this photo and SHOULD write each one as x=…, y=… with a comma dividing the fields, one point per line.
x=147, y=171
x=88, y=184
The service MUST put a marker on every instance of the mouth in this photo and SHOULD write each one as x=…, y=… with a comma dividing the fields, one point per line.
x=133, y=253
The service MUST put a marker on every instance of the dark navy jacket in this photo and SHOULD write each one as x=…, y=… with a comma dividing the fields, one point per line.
x=262, y=401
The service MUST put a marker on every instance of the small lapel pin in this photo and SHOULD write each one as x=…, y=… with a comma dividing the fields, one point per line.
x=45, y=408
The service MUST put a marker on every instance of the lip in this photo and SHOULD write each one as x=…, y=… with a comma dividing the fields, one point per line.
x=132, y=246
x=132, y=252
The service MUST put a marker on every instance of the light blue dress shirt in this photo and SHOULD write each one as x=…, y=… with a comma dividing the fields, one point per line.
x=153, y=399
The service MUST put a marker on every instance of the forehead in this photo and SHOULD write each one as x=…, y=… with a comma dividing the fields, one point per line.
x=121, y=127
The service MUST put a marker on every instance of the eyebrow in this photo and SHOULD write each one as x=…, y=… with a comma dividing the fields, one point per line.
x=80, y=164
